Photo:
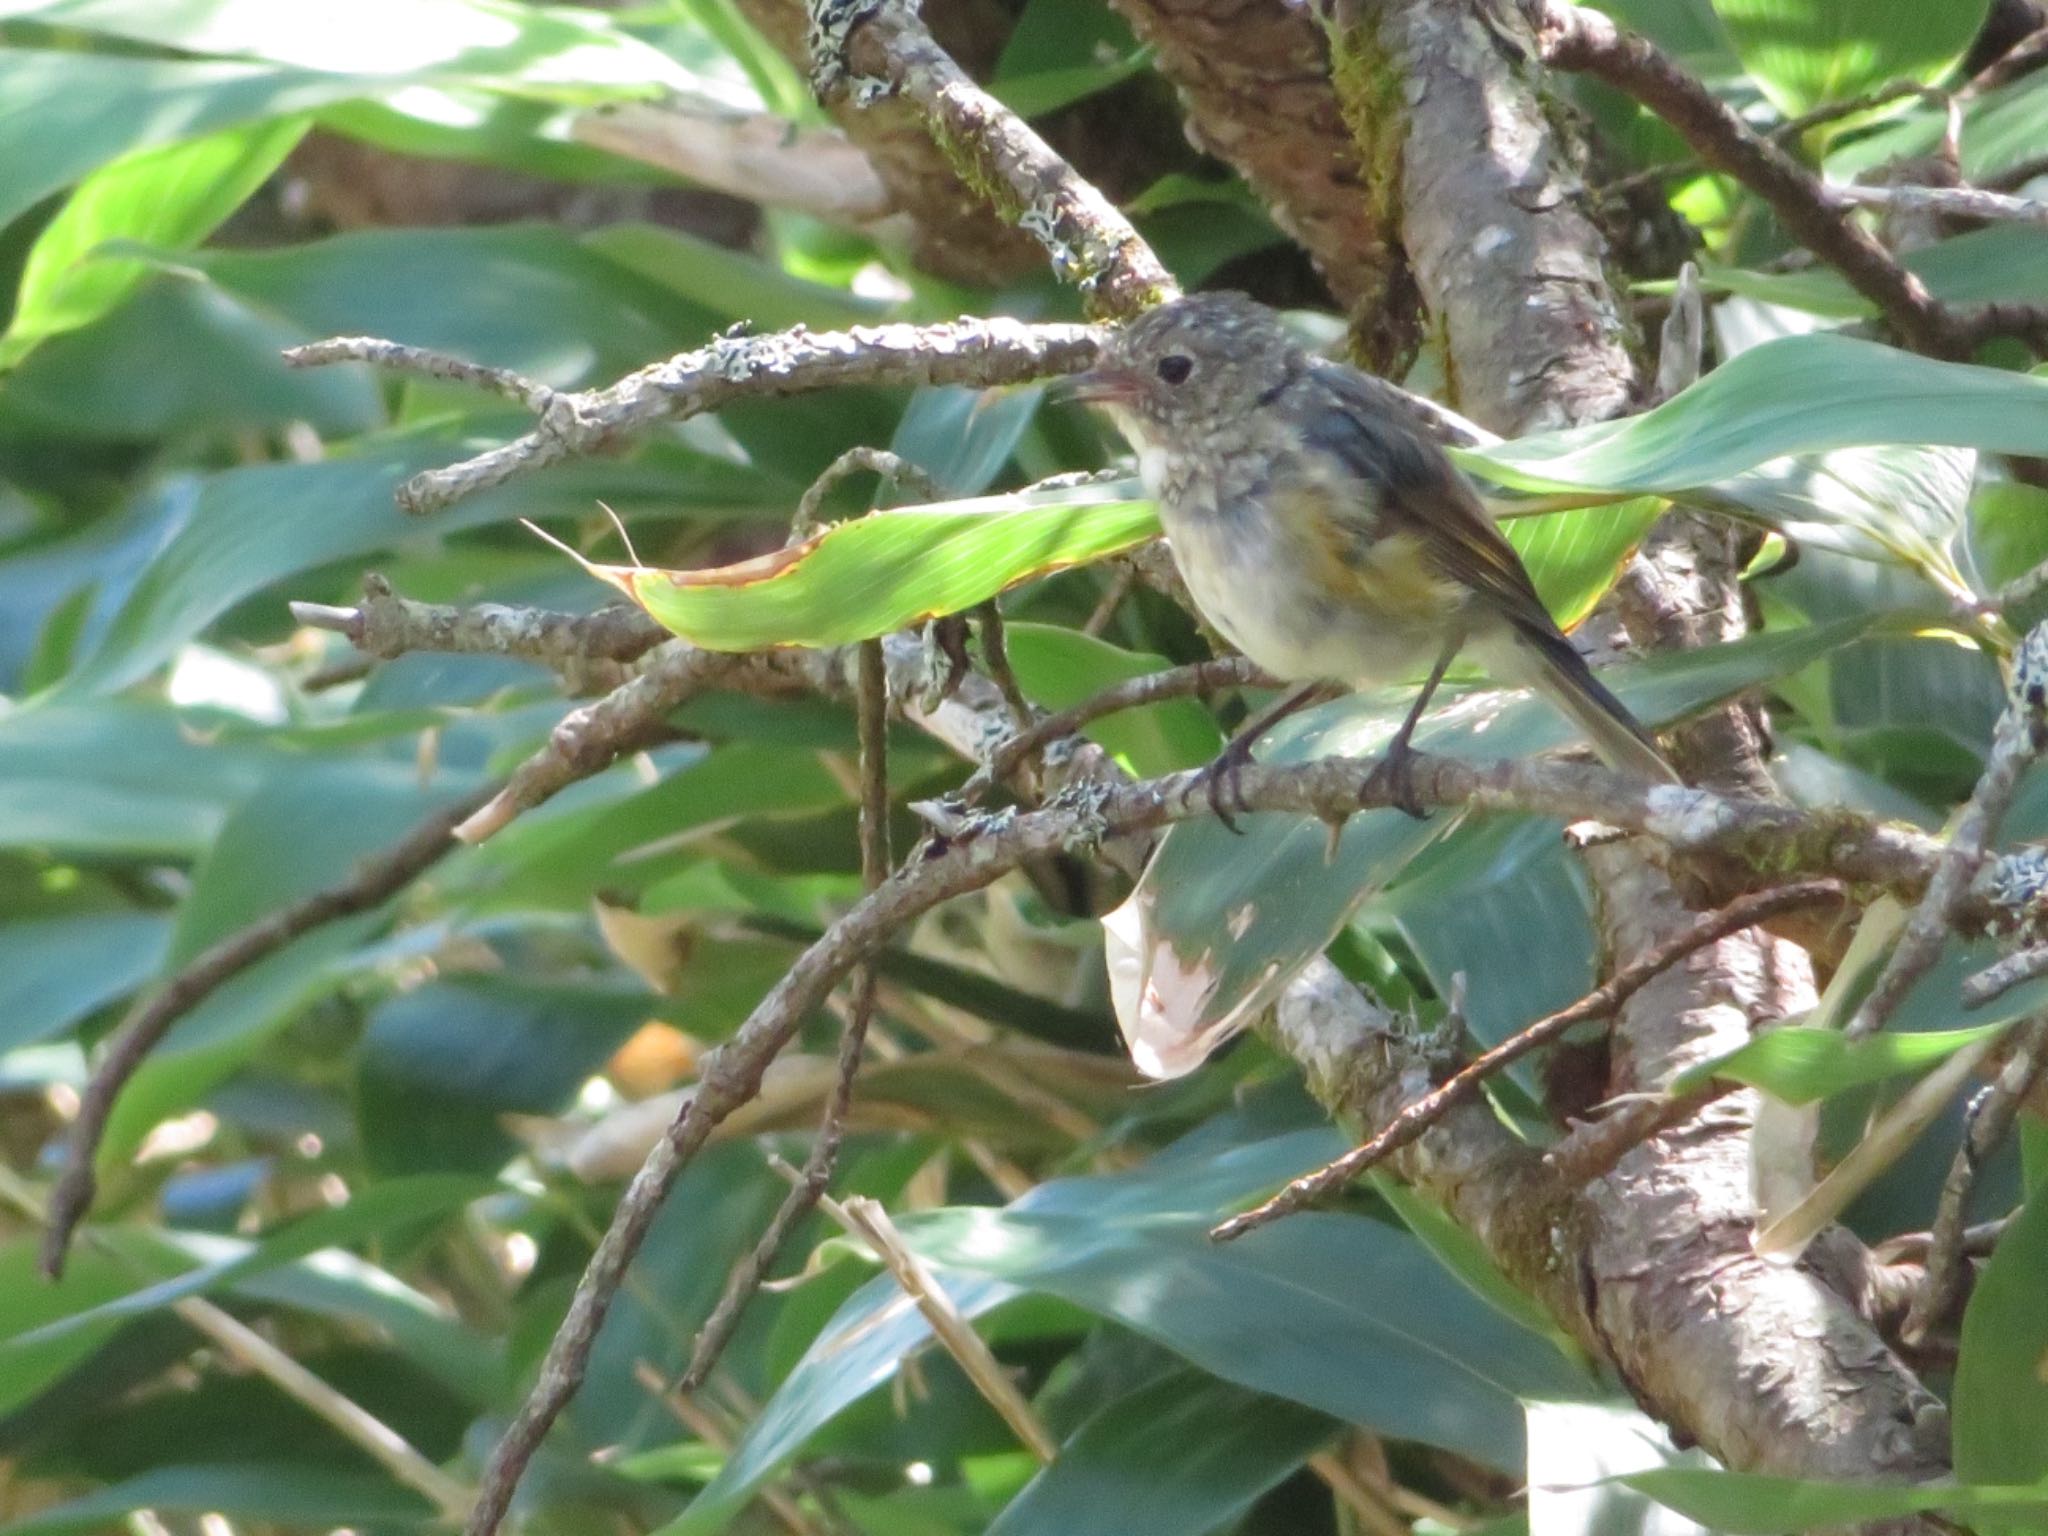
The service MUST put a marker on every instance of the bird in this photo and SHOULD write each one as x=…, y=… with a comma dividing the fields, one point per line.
x=1326, y=535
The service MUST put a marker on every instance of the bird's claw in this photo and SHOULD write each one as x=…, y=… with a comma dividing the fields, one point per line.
x=1221, y=778
x=1394, y=776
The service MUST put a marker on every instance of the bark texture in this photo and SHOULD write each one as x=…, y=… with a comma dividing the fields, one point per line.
x=1255, y=84
x=1650, y=1264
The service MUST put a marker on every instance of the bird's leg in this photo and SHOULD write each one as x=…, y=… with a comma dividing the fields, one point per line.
x=1223, y=771
x=1396, y=768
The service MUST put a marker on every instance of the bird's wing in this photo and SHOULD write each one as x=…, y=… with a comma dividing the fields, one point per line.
x=1409, y=491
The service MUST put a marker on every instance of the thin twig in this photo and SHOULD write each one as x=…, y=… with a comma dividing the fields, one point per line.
x=1989, y=1122
x=400, y=358
x=2015, y=743
x=867, y=1220
x=1946, y=202
x=1787, y=133
x=1596, y=1147
x=883, y=47
x=1572, y=37
x=2010, y=65
x=1201, y=677
x=355, y=1423
x=732, y=367
x=1417, y=1118
x=891, y=468
x=1120, y=583
x=387, y=626
x=699, y=1419
x=590, y=739
x=816, y=1176
x=370, y=885
x=2001, y=976
x=995, y=659
x=249, y=1349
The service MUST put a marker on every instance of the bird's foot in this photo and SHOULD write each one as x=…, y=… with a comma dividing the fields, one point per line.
x=1221, y=780
x=1394, y=777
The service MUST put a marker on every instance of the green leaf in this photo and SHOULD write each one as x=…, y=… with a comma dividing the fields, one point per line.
x=171, y=198
x=55, y=971
x=2002, y=129
x=183, y=359
x=220, y=1035
x=1341, y=1313
x=1805, y=53
x=554, y=50
x=234, y=543
x=378, y=1211
x=1753, y=1504
x=28, y=1302
x=1801, y=1065
x=2006, y=263
x=442, y=1064
x=729, y=282
x=1502, y=902
x=1227, y=1161
x=284, y=1493
x=2001, y=1391
x=115, y=776
x=1219, y=922
x=1797, y=395
x=880, y=573
x=963, y=437
x=1574, y=557
x=1058, y=668
x=304, y=829
x=57, y=126
x=1190, y=1451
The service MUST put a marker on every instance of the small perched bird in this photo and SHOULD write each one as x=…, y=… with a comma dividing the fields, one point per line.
x=1324, y=534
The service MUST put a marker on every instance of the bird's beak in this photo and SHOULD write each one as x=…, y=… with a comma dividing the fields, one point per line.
x=1101, y=385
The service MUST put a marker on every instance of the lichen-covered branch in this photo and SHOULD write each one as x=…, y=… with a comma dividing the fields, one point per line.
x=734, y=367
x=878, y=49
x=952, y=231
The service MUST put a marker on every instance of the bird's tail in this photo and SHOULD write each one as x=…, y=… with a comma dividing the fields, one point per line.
x=1549, y=663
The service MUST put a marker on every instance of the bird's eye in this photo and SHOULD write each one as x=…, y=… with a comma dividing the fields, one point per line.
x=1175, y=367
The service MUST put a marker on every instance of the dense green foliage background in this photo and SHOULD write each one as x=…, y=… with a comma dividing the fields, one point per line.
x=358, y=1147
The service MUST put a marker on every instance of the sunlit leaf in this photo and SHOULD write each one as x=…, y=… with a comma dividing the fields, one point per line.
x=880, y=573
x=169, y=198
x=1754, y=1504
x=1797, y=395
x=1800, y=1065
x=1808, y=52
x=2001, y=1391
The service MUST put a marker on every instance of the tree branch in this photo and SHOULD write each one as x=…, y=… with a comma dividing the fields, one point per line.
x=816, y=1175
x=1464, y=1084
x=967, y=351
x=2021, y=734
x=1571, y=37
x=1988, y=1123
x=877, y=48
x=1946, y=202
